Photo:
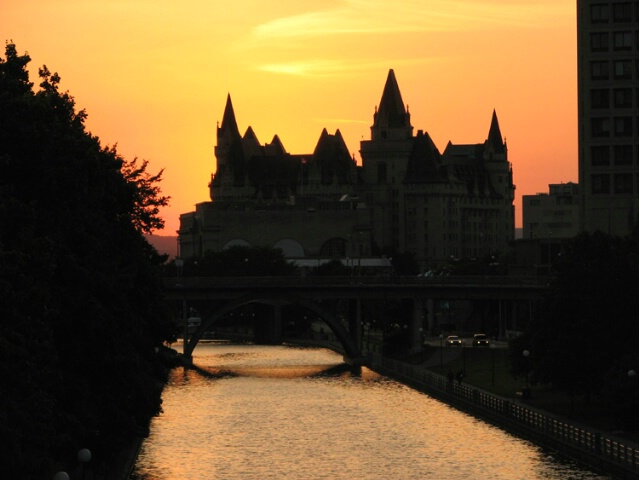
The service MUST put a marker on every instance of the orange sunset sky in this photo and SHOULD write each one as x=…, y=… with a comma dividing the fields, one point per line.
x=153, y=76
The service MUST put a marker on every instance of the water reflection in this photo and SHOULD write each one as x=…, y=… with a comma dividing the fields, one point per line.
x=253, y=412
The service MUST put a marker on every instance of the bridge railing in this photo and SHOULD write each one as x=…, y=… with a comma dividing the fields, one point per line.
x=353, y=281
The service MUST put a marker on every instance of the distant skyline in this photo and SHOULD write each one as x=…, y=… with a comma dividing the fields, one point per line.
x=153, y=76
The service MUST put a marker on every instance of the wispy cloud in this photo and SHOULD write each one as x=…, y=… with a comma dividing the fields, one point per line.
x=333, y=121
x=332, y=68
x=331, y=41
x=374, y=16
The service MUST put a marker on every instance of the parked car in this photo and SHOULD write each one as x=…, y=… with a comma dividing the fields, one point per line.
x=454, y=341
x=481, y=340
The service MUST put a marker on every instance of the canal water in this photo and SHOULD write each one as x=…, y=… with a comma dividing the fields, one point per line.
x=262, y=412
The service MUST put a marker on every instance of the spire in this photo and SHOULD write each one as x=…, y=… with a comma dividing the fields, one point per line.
x=228, y=120
x=391, y=112
x=495, y=141
x=391, y=120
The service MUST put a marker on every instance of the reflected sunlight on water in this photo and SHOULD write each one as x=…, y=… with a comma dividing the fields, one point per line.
x=278, y=412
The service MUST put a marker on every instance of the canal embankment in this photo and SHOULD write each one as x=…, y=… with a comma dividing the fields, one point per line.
x=599, y=450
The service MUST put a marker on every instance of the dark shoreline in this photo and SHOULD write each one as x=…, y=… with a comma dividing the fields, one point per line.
x=600, y=459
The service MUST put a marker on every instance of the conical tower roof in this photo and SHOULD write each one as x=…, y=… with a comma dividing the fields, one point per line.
x=495, y=141
x=229, y=124
x=391, y=112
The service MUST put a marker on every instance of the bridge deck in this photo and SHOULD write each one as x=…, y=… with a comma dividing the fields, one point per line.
x=363, y=287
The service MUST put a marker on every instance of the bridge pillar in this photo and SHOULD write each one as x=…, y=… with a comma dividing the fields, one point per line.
x=355, y=321
x=276, y=327
x=430, y=315
x=417, y=330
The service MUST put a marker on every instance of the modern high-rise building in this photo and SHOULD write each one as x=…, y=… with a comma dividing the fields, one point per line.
x=608, y=92
x=554, y=214
x=406, y=197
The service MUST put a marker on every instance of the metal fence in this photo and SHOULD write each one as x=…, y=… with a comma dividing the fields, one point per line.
x=599, y=450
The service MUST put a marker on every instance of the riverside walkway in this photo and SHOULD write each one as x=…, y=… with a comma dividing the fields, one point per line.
x=598, y=450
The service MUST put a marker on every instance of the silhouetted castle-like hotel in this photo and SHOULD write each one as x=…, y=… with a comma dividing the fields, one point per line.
x=405, y=197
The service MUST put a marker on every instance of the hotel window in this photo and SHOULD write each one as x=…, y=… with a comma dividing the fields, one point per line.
x=622, y=40
x=599, y=70
x=623, y=97
x=600, y=155
x=623, y=182
x=623, y=69
x=599, y=13
x=623, y=126
x=599, y=42
x=623, y=154
x=600, y=183
x=600, y=127
x=621, y=12
x=333, y=248
x=381, y=173
x=599, y=98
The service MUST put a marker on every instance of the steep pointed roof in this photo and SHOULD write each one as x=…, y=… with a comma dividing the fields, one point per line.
x=276, y=147
x=391, y=111
x=249, y=135
x=494, y=136
x=424, y=162
x=332, y=157
x=251, y=144
x=228, y=120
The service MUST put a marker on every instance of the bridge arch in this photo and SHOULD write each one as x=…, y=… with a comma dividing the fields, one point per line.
x=290, y=248
x=210, y=318
x=334, y=248
x=236, y=242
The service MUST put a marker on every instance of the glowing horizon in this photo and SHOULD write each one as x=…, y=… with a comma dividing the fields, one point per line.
x=153, y=76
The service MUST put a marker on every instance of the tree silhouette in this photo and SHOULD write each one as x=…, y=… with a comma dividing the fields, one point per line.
x=81, y=310
x=589, y=328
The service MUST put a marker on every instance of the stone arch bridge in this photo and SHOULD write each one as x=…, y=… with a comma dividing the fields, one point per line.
x=216, y=297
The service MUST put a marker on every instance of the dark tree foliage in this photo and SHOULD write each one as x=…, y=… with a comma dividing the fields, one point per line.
x=404, y=263
x=587, y=335
x=239, y=261
x=333, y=268
x=81, y=314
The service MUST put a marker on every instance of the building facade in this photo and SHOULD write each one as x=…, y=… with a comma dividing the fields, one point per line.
x=608, y=95
x=406, y=196
x=554, y=214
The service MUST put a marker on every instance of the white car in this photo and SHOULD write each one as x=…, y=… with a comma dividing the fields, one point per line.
x=480, y=340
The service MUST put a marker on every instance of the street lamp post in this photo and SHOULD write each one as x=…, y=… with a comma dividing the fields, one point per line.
x=84, y=456
x=441, y=352
x=179, y=264
x=526, y=354
x=492, y=351
x=464, y=357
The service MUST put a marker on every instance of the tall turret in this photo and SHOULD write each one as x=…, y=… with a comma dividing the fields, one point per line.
x=391, y=120
x=495, y=147
x=229, y=154
x=496, y=162
x=228, y=129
